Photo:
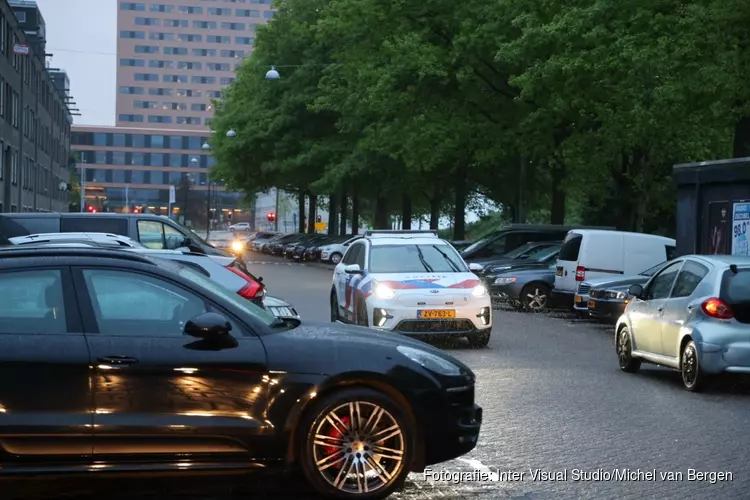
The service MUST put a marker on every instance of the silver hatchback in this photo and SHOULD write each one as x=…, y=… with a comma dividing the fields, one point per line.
x=692, y=316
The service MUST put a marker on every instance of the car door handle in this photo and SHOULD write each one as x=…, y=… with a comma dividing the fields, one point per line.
x=117, y=360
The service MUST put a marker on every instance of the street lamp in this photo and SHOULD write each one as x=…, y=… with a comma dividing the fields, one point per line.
x=206, y=146
x=272, y=74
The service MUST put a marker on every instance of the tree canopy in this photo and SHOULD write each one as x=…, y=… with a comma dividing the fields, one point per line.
x=556, y=110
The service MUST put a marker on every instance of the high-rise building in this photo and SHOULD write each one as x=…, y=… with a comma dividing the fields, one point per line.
x=35, y=115
x=175, y=56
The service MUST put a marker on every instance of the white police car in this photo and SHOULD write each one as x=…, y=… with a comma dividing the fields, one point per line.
x=410, y=282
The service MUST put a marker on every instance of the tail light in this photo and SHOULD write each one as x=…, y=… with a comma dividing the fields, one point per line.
x=717, y=308
x=580, y=273
x=252, y=290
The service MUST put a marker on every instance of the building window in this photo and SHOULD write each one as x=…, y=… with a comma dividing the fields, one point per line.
x=176, y=23
x=175, y=78
x=218, y=39
x=205, y=25
x=157, y=141
x=118, y=140
x=100, y=139
x=188, y=120
x=188, y=93
x=131, y=118
x=200, y=107
x=268, y=14
x=157, y=160
x=131, y=90
x=159, y=91
x=161, y=36
x=218, y=11
x=262, y=2
x=233, y=26
x=146, y=77
x=204, y=52
x=204, y=80
x=175, y=142
x=175, y=106
x=233, y=53
x=244, y=40
x=190, y=10
x=118, y=158
x=161, y=64
x=207, y=122
x=133, y=34
x=136, y=63
x=146, y=49
x=159, y=119
x=226, y=81
x=247, y=13
x=147, y=21
x=187, y=37
x=218, y=67
x=145, y=104
x=132, y=6
x=189, y=65
x=155, y=7
x=15, y=109
x=213, y=94
x=139, y=141
x=175, y=51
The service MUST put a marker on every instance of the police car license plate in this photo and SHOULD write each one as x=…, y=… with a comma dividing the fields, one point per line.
x=436, y=314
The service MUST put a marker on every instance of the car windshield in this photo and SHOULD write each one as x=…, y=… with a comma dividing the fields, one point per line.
x=543, y=253
x=202, y=281
x=438, y=258
x=651, y=271
x=479, y=243
x=736, y=287
x=514, y=254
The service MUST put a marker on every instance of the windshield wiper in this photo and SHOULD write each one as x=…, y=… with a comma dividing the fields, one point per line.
x=448, y=259
x=427, y=267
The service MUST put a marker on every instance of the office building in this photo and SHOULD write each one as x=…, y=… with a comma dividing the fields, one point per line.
x=35, y=115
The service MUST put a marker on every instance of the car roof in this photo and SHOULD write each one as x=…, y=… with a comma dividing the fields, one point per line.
x=721, y=260
x=73, y=236
x=11, y=255
x=609, y=232
x=407, y=241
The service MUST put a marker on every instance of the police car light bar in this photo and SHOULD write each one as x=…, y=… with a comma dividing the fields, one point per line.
x=387, y=233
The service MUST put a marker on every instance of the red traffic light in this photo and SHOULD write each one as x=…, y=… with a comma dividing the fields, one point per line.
x=319, y=218
x=90, y=209
x=271, y=216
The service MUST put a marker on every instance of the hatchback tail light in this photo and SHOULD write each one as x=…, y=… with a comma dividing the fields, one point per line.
x=580, y=273
x=717, y=308
x=252, y=290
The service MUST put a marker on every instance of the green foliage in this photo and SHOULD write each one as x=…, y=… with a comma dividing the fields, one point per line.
x=557, y=105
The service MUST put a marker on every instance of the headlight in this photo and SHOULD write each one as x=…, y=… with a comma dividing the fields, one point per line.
x=479, y=291
x=238, y=246
x=616, y=295
x=384, y=292
x=499, y=268
x=430, y=361
x=505, y=281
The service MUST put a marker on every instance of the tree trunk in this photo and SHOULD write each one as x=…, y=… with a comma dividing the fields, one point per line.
x=300, y=211
x=311, y=218
x=344, y=202
x=741, y=147
x=435, y=212
x=355, y=212
x=459, y=213
x=332, y=214
x=406, y=212
x=381, y=213
x=557, y=209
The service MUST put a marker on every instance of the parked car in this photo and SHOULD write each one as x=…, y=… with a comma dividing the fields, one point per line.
x=313, y=253
x=276, y=246
x=229, y=242
x=526, y=286
x=461, y=244
x=297, y=251
x=334, y=252
x=153, y=231
x=590, y=253
x=529, y=252
x=260, y=240
x=146, y=354
x=240, y=226
x=608, y=297
x=114, y=240
x=302, y=241
x=692, y=316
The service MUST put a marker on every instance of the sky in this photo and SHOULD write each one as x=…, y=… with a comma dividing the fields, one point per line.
x=82, y=38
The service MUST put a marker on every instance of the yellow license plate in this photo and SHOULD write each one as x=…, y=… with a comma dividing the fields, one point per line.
x=578, y=299
x=559, y=271
x=436, y=314
x=591, y=304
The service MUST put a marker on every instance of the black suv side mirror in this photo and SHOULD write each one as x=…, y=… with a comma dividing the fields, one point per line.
x=208, y=326
x=635, y=291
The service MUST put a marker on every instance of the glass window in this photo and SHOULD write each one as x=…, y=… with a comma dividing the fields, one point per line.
x=129, y=303
x=118, y=176
x=151, y=233
x=175, y=142
x=352, y=254
x=157, y=141
x=175, y=177
x=137, y=159
x=137, y=177
x=100, y=139
x=175, y=160
x=139, y=141
x=689, y=278
x=36, y=304
x=100, y=157
x=173, y=238
x=653, y=270
x=118, y=158
x=157, y=160
x=661, y=284
x=735, y=289
x=439, y=258
x=571, y=247
x=118, y=140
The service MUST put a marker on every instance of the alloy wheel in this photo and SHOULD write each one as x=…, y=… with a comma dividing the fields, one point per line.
x=689, y=366
x=623, y=348
x=336, y=258
x=536, y=299
x=359, y=447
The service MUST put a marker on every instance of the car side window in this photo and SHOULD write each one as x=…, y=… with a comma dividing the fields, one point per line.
x=351, y=255
x=173, y=238
x=661, y=284
x=33, y=302
x=360, y=258
x=689, y=278
x=498, y=246
x=128, y=303
x=151, y=234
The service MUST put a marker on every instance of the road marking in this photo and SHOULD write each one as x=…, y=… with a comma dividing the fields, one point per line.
x=477, y=465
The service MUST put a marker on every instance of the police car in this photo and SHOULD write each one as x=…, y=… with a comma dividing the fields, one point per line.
x=413, y=283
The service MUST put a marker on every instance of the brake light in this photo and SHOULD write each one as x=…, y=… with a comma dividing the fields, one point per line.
x=252, y=290
x=717, y=308
x=580, y=273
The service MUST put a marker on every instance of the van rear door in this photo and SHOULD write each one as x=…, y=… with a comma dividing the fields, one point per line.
x=567, y=260
x=603, y=256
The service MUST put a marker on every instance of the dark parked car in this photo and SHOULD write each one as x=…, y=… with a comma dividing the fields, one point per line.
x=298, y=252
x=302, y=242
x=525, y=287
x=147, y=366
x=276, y=245
x=260, y=239
x=532, y=252
x=608, y=298
x=313, y=253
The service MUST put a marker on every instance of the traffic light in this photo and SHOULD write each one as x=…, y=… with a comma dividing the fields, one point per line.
x=319, y=218
x=91, y=209
x=271, y=216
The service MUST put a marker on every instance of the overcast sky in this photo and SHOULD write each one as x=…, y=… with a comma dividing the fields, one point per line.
x=82, y=36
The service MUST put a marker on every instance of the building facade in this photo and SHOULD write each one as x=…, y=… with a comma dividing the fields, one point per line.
x=35, y=119
x=175, y=56
x=127, y=169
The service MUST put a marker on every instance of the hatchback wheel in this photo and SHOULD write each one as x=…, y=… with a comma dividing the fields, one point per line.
x=627, y=362
x=357, y=445
x=336, y=258
x=690, y=370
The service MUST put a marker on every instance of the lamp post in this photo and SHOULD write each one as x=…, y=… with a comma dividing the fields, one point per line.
x=188, y=182
x=207, y=147
x=83, y=184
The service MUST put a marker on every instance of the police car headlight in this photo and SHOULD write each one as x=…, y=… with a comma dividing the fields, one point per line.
x=430, y=361
x=479, y=291
x=384, y=291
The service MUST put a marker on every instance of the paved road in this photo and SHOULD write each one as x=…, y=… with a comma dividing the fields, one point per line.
x=554, y=400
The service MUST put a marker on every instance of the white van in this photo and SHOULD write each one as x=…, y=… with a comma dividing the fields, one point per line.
x=593, y=253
